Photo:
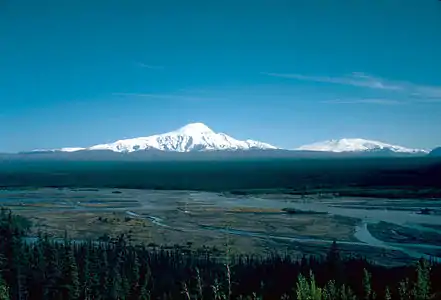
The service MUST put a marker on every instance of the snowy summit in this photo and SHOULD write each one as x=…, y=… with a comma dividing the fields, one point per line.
x=357, y=145
x=192, y=137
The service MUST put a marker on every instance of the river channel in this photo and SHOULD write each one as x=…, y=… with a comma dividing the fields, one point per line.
x=154, y=205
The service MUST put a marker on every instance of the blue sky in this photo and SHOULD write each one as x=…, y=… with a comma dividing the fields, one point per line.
x=77, y=73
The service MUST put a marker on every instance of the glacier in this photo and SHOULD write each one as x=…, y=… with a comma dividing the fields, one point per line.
x=189, y=138
x=198, y=137
x=357, y=145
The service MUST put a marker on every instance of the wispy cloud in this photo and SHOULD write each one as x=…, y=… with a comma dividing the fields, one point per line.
x=174, y=97
x=365, y=101
x=359, y=79
x=427, y=91
x=429, y=100
x=193, y=91
x=356, y=79
x=147, y=66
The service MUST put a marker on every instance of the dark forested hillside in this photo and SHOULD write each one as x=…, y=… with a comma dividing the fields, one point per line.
x=436, y=152
x=42, y=268
x=227, y=175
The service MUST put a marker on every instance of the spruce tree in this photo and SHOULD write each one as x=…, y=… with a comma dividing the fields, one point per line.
x=36, y=275
x=134, y=277
x=145, y=278
x=404, y=290
x=95, y=289
x=422, y=288
x=84, y=271
x=334, y=261
x=330, y=291
x=4, y=290
x=144, y=293
x=52, y=269
x=387, y=294
x=103, y=272
x=113, y=282
x=69, y=283
x=367, y=285
x=15, y=260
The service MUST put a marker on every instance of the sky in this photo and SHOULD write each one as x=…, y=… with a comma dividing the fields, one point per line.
x=84, y=72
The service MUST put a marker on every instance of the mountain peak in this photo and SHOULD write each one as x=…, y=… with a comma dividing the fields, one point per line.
x=194, y=128
x=191, y=137
x=356, y=145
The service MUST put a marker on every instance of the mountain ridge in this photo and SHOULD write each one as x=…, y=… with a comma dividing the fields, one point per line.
x=198, y=137
x=357, y=145
x=189, y=138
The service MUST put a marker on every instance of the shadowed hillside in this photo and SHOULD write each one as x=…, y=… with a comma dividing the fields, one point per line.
x=419, y=175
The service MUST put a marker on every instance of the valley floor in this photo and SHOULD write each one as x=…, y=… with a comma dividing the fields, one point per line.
x=387, y=231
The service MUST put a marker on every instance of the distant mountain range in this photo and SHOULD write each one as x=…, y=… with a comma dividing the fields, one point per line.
x=198, y=138
x=358, y=145
x=190, y=138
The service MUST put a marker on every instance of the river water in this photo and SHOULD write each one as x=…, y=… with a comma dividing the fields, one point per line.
x=402, y=213
x=366, y=214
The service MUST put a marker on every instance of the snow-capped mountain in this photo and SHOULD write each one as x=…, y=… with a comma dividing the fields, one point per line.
x=192, y=137
x=357, y=145
x=197, y=137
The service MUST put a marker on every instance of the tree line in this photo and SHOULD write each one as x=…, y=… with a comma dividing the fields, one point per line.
x=50, y=269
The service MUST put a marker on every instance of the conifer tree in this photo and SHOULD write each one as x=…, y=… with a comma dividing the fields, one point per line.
x=144, y=293
x=330, y=291
x=422, y=289
x=134, y=277
x=84, y=271
x=103, y=272
x=334, y=262
x=52, y=269
x=36, y=272
x=15, y=259
x=94, y=290
x=145, y=277
x=387, y=294
x=69, y=283
x=308, y=289
x=346, y=293
x=123, y=275
x=113, y=283
x=367, y=285
x=404, y=290
x=4, y=290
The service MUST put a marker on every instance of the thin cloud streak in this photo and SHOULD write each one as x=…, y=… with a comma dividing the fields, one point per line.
x=195, y=91
x=356, y=79
x=152, y=67
x=359, y=79
x=365, y=101
x=166, y=96
x=430, y=100
x=428, y=91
